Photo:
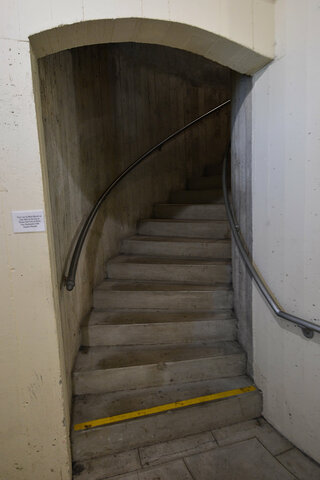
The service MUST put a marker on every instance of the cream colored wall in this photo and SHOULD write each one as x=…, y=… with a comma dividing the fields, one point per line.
x=34, y=422
x=34, y=438
x=286, y=223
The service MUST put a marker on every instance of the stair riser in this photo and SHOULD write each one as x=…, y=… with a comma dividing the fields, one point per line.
x=177, y=301
x=161, y=428
x=189, y=230
x=205, y=183
x=213, y=170
x=191, y=212
x=160, y=333
x=196, y=196
x=144, y=376
x=193, y=274
x=177, y=249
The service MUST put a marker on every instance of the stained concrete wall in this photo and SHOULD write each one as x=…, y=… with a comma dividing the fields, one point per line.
x=103, y=106
x=34, y=431
x=286, y=223
x=241, y=158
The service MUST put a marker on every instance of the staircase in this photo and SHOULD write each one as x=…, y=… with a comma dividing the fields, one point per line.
x=162, y=330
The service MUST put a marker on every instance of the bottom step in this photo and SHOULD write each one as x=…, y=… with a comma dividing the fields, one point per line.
x=166, y=426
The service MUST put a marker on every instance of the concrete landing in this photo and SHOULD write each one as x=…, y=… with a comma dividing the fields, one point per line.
x=250, y=450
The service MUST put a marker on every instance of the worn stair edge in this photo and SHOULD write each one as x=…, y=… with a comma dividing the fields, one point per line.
x=164, y=427
x=190, y=212
x=159, y=333
x=176, y=297
x=90, y=407
x=197, y=196
x=102, y=380
x=176, y=247
x=205, y=182
x=172, y=270
x=213, y=229
x=136, y=316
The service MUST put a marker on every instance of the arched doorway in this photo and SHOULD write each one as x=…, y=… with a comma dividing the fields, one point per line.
x=64, y=64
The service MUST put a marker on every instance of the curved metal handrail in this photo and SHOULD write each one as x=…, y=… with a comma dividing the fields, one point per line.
x=70, y=279
x=308, y=328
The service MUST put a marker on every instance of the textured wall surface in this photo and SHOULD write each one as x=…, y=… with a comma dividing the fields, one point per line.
x=35, y=430
x=104, y=106
x=241, y=158
x=286, y=223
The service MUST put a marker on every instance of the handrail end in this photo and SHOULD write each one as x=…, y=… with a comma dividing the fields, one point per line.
x=307, y=332
x=70, y=284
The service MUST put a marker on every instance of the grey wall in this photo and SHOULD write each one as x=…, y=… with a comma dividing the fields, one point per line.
x=103, y=106
x=241, y=182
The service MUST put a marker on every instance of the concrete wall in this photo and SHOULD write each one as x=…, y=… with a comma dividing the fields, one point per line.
x=241, y=161
x=103, y=106
x=286, y=222
x=236, y=33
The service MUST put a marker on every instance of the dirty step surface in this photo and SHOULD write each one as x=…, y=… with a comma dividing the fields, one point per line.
x=143, y=327
x=213, y=229
x=197, y=196
x=148, y=429
x=195, y=212
x=177, y=247
x=119, y=294
x=191, y=271
x=242, y=448
x=106, y=369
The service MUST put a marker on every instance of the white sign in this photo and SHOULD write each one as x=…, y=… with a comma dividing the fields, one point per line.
x=25, y=221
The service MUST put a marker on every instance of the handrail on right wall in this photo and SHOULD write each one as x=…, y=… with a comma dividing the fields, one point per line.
x=308, y=328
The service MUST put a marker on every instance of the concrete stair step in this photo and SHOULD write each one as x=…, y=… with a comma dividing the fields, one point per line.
x=108, y=369
x=205, y=183
x=93, y=443
x=177, y=247
x=197, y=196
x=190, y=212
x=214, y=229
x=213, y=170
x=156, y=327
x=144, y=268
x=165, y=296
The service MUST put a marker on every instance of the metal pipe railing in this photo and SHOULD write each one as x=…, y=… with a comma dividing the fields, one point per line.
x=70, y=279
x=308, y=328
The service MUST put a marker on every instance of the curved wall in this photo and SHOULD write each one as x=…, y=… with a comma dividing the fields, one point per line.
x=103, y=106
x=286, y=223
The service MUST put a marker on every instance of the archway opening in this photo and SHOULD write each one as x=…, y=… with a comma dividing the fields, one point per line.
x=104, y=105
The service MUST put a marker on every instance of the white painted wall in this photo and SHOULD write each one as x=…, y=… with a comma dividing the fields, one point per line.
x=286, y=222
x=34, y=415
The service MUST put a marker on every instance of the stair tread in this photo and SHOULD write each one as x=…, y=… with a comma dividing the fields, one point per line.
x=153, y=260
x=187, y=205
x=125, y=285
x=152, y=316
x=215, y=190
x=154, y=238
x=113, y=357
x=198, y=196
x=90, y=407
x=182, y=220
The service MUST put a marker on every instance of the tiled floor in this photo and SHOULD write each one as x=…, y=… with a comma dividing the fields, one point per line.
x=251, y=450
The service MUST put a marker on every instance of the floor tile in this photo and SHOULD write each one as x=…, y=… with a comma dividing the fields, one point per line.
x=247, y=460
x=300, y=465
x=164, y=452
x=268, y=436
x=169, y=471
x=107, y=466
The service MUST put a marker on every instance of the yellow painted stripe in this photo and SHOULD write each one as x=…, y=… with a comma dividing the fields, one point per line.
x=162, y=408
